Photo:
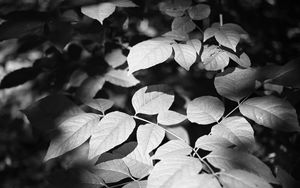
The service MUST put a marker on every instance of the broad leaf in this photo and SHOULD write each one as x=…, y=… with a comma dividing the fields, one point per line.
x=205, y=110
x=148, y=53
x=100, y=104
x=172, y=148
x=235, y=83
x=89, y=87
x=165, y=172
x=272, y=112
x=183, y=24
x=212, y=142
x=228, y=159
x=115, y=58
x=121, y=78
x=175, y=8
x=237, y=130
x=214, y=58
x=72, y=133
x=99, y=12
x=149, y=137
x=136, y=184
x=152, y=99
x=185, y=55
x=225, y=35
x=176, y=35
x=139, y=162
x=196, y=44
x=112, y=171
x=199, y=12
x=179, y=131
x=104, y=10
x=170, y=118
x=241, y=178
x=112, y=130
x=243, y=60
x=286, y=180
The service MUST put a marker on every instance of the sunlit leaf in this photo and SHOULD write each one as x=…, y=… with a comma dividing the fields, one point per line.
x=185, y=55
x=100, y=104
x=136, y=184
x=72, y=133
x=241, y=178
x=183, y=24
x=272, y=112
x=208, y=181
x=112, y=171
x=170, y=118
x=148, y=53
x=205, y=110
x=212, y=142
x=199, y=12
x=165, y=171
x=237, y=130
x=196, y=44
x=243, y=60
x=235, y=83
x=179, y=131
x=121, y=78
x=228, y=159
x=176, y=35
x=173, y=147
x=152, y=99
x=112, y=130
x=149, y=137
x=214, y=58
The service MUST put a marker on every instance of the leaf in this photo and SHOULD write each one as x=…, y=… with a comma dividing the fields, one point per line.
x=115, y=58
x=235, y=83
x=241, y=178
x=73, y=132
x=136, y=184
x=179, y=131
x=271, y=112
x=196, y=44
x=183, y=24
x=243, y=60
x=104, y=10
x=286, y=180
x=185, y=55
x=175, y=8
x=138, y=162
x=228, y=159
x=205, y=110
x=99, y=12
x=19, y=77
x=208, y=181
x=214, y=58
x=176, y=35
x=199, y=12
x=172, y=148
x=49, y=112
x=212, y=142
x=237, y=130
x=148, y=53
x=225, y=35
x=170, y=118
x=89, y=87
x=121, y=78
x=165, y=172
x=112, y=130
x=100, y=104
x=152, y=100
x=149, y=137
x=112, y=171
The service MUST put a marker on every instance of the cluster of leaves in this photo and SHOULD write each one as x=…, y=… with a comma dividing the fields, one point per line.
x=144, y=149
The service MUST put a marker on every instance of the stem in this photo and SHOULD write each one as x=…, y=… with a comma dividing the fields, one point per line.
x=147, y=121
x=204, y=162
x=221, y=19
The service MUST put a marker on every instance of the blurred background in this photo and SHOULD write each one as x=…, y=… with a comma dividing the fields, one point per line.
x=48, y=47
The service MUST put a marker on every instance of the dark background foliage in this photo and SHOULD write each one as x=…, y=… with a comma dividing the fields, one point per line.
x=42, y=43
